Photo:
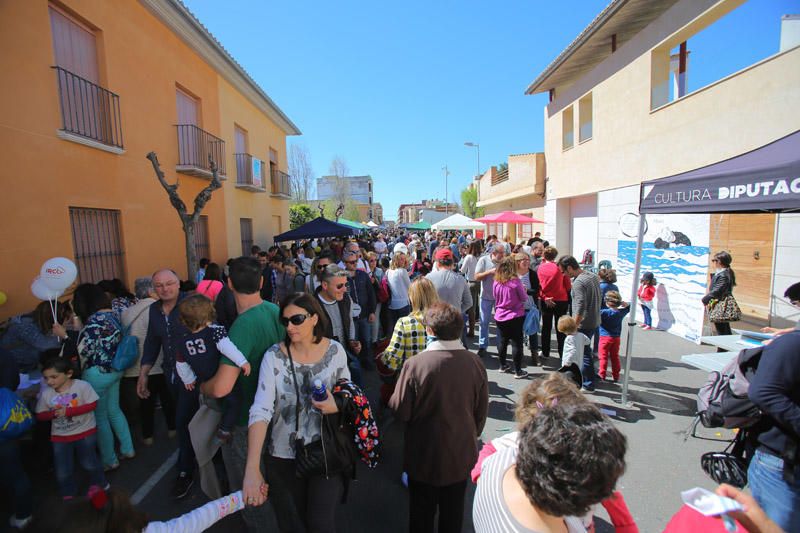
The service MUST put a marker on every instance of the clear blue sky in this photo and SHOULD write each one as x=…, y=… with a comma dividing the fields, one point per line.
x=397, y=88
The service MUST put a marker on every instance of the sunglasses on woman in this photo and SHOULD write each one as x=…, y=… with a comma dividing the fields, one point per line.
x=296, y=320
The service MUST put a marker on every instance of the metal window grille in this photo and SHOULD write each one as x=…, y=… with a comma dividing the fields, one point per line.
x=201, y=246
x=196, y=146
x=88, y=110
x=280, y=182
x=246, y=230
x=97, y=241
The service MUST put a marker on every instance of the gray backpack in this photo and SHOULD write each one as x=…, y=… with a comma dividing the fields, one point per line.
x=723, y=401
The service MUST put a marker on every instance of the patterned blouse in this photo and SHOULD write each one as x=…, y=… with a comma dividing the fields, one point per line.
x=118, y=305
x=276, y=398
x=99, y=338
x=408, y=340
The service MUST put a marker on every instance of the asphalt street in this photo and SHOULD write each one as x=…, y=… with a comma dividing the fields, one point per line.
x=660, y=461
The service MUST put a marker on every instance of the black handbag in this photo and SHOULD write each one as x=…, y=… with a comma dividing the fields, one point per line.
x=332, y=454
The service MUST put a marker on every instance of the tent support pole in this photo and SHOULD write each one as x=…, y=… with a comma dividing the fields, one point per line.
x=632, y=315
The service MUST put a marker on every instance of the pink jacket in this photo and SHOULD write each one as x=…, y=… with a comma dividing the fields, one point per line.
x=509, y=300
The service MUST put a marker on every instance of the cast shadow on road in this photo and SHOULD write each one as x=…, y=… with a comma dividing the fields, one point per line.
x=496, y=390
x=648, y=397
x=654, y=364
x=501, y=410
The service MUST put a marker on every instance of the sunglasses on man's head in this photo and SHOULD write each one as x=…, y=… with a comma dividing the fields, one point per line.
x=296, y=320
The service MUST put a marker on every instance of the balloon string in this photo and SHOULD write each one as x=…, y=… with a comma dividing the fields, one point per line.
x=52, y=310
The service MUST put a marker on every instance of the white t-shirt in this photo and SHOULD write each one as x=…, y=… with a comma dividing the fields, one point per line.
x=468, y=267
x=490, y=514
x=399, y=283
x=78, y=394
x=573, y=349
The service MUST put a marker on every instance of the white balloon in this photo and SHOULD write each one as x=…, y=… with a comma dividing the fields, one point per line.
x=58, y=273
x=43, y=292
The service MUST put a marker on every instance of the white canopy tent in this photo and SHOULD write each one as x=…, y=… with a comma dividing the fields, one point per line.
x=372, y=224
x=457, y=221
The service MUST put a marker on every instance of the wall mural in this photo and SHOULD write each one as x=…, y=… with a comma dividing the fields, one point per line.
x=675, y=250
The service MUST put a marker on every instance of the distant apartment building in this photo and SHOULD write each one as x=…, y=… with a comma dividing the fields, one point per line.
x=625, y=106
x=519, y=186
x=92, y=87
x=359, y=188
x=431, y=211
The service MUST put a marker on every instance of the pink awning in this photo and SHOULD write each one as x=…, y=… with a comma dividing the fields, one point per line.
x=509, y=217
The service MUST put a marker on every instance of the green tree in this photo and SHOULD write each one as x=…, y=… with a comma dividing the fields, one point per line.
x=299, y=214
x=469, y=201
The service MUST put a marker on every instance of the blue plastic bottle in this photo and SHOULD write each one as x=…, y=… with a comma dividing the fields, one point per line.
x=318, y=391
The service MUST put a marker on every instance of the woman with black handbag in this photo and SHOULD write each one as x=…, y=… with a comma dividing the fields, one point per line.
x=722, y=306
x=305, y=476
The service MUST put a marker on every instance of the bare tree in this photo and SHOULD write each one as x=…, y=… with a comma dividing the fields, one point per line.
x=188, y=220
x=341, y=186
x=301, y=172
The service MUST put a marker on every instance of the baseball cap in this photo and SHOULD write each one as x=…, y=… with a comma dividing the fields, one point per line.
x=443, y=254
x=400, y=248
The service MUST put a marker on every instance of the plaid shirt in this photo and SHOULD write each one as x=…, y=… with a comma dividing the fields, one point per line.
x=408, y=339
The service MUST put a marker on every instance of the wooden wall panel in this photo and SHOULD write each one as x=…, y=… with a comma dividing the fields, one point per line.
x=750, y=240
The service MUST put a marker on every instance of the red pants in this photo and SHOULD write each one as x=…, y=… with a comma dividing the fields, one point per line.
x=609, y=349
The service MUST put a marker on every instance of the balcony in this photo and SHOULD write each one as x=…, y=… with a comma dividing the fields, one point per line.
x=281, y=185
x=195, y=147
x=518, y=185
x=249, y=173
x=89, y=113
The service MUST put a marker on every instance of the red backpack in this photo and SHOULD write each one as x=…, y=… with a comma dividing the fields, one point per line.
x=384, y=294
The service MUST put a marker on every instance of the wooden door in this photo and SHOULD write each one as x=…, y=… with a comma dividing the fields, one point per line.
x=84, y=105
x=187, y=108
x=74, y=46
x=750, y=239
x=190, y=140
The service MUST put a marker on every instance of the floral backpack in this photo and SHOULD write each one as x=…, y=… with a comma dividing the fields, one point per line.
x=366, y=437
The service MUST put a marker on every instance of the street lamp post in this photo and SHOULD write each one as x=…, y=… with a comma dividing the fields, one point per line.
x=446, y=173
x=478, y=147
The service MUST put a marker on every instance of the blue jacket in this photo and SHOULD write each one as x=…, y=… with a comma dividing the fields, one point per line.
x=24, y=341
x=364, y=293
x=611, y=321
x=164, y=333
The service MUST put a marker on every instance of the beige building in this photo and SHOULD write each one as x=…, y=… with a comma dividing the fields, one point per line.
x=519, y=187
x=622, y=111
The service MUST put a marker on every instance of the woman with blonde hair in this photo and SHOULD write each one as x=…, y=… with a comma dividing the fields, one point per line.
x=399, y=282
x=408, y=338
x=509, y=314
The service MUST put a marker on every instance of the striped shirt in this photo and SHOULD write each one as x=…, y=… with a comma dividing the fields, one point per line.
x=586, y=296
x=490, y=514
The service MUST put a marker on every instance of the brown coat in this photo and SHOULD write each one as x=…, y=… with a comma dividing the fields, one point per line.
x=443, y=395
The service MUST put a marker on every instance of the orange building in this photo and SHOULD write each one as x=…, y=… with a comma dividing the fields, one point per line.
x=89, y=88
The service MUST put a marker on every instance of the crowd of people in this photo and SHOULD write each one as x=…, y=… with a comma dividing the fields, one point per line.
x=279, y=345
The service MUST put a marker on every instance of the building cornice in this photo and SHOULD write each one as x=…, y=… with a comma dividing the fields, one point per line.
x=175, y=15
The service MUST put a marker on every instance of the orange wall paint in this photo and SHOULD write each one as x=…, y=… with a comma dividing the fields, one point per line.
x=262, y=135
x=42, y=175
